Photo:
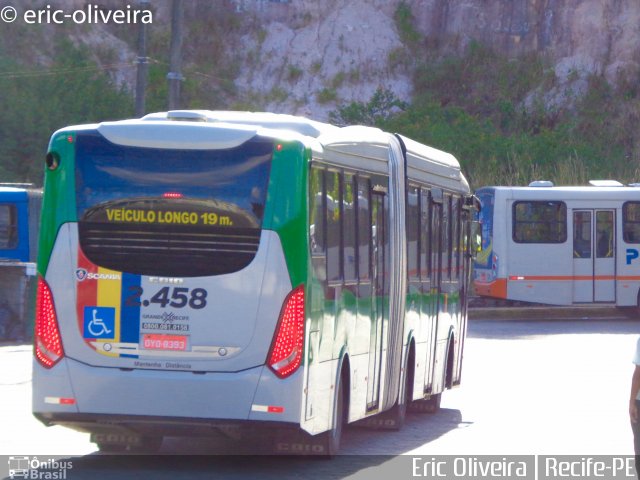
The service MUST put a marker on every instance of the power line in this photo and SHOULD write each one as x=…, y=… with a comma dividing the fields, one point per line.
x=64, y=71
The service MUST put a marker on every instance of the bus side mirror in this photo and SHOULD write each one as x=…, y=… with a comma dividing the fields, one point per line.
x=476, y=238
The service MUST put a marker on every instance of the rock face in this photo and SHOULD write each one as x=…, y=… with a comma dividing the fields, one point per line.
x=313, y=54
x=581, y=36
x=316, y=53
x=307, y=56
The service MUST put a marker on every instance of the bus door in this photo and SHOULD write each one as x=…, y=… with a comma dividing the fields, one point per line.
x=379, y=305
x=594, y=256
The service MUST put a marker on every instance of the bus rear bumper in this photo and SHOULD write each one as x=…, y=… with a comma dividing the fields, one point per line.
x=151, y=426
x=90, y=395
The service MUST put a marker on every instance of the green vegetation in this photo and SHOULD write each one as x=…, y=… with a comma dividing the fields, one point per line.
x=508, y=121
x=47, y=85
x=36, y=102
x=327, y=95
x=405, y=22
x=480, y=107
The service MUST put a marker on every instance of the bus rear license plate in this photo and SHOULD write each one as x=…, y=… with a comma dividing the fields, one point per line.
x=151, y=341
x=124, y=439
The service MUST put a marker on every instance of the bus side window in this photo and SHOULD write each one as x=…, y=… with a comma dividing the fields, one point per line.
x=413, y=233
x=446, y=238
x=455, y=238
x=334, y=226
x=539, y=222
x=350, y=251
x=631, y=222
x=425, y=228
x=364, y=228
x=317, y=222
x=8, y=227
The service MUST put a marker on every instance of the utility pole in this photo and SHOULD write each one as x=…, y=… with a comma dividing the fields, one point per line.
x=175, y=59
x=143, y=64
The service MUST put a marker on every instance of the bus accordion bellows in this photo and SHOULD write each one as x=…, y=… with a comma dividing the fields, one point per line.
x=203, y=271
x=560, y=245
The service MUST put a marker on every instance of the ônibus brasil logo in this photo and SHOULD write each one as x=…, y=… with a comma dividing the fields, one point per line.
x=33, y=468
x=82, y=275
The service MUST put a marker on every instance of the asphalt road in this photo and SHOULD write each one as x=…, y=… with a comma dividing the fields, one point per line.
x=545, y=387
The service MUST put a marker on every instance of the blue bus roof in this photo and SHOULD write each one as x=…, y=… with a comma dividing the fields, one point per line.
x=13, y=194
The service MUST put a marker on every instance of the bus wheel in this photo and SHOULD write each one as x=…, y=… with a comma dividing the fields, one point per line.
x=395, y=418
x=430, y=405
x=331, y=439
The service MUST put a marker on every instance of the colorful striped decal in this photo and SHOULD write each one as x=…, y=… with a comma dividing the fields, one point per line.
x=130, y=314
x=86, y=292
x=101, y=305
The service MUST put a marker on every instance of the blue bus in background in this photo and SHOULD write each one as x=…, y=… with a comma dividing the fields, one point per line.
x=19, y=217
x=20, y=206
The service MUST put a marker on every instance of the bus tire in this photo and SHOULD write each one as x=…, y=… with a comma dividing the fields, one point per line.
x=395, y=418
x=330, y=439
x=428, y=405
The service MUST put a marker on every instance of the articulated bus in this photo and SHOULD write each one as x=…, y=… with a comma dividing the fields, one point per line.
x=560, y=245
x=203, y=271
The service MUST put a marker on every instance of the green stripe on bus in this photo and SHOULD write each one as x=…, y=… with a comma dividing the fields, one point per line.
x=286, y=209
x=60, y=204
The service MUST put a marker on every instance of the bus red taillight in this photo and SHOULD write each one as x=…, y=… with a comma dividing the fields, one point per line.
x=47, y=341
x=285, y=355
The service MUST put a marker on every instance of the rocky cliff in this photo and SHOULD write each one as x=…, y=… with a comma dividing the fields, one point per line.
x=306, y=56
x=345, y=49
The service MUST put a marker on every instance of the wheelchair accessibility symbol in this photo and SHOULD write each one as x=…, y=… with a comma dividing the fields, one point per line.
x=99, y=322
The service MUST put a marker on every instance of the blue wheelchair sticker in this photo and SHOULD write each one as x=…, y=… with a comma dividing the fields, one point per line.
x=99, y=322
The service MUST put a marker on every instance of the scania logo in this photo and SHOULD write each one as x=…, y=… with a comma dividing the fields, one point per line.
x=82, y=275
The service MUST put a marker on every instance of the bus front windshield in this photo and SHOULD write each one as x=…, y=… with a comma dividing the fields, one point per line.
x=485, y=217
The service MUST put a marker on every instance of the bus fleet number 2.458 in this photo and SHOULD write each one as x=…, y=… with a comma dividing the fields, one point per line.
x=175, y=297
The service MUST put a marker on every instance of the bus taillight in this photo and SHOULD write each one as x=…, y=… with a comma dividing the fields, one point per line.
x=172, y=195
x=48, y=344
x=285, y=355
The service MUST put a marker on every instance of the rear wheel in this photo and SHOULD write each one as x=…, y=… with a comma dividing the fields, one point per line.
x=430, y=405
x=331, y=439
x=395, y=418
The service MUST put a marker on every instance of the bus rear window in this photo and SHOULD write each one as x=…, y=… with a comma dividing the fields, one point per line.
x=200, y=211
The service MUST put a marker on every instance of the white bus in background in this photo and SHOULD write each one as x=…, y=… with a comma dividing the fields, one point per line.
x=560, y=245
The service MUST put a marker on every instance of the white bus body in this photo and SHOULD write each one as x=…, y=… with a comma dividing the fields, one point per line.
x=133, y=346
x=560, y=245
